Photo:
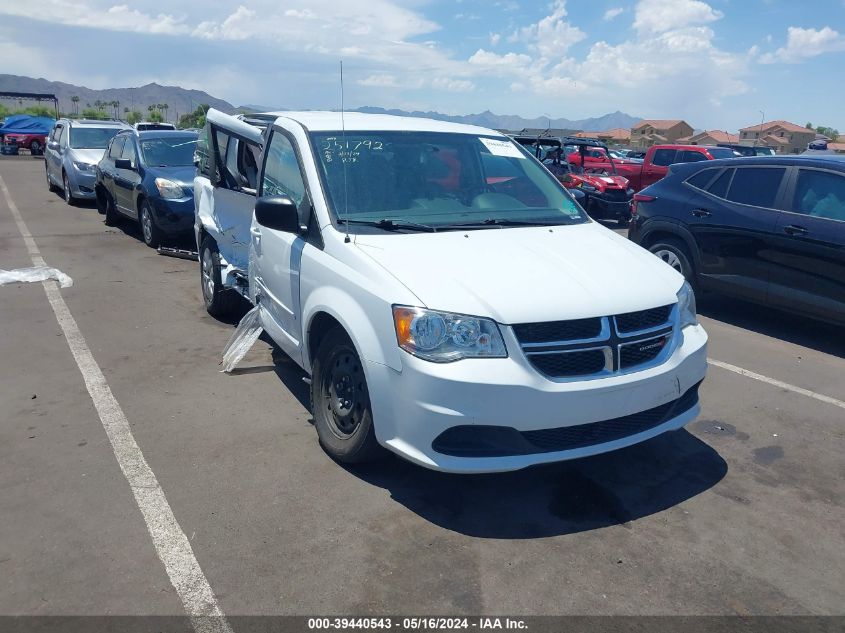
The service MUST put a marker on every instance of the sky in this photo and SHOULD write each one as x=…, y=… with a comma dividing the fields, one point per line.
x=719, y=64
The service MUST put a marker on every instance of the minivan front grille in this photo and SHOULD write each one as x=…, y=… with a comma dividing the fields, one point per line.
x=597, y=346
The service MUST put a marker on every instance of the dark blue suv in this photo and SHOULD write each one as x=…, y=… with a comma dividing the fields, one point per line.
x=767, y=229
x=149, y=177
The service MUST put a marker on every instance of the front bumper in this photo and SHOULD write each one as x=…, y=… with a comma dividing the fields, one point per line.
x=415, y=407
x=81, y=183
x=174, y=217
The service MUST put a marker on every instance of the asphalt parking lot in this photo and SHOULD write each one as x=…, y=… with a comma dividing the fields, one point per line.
x=740, y=513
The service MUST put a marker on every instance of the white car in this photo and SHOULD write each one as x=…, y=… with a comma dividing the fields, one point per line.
x=447, y=297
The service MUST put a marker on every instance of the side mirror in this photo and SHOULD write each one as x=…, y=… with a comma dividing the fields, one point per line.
x=122, y=163
x=278, y=213
x=53, y=145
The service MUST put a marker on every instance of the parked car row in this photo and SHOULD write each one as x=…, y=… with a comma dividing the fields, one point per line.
x=143, y=173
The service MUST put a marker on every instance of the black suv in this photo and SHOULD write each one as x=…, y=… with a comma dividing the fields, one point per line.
x=770, y=230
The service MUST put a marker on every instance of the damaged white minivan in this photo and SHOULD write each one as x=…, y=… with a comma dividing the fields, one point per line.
x=449, y=299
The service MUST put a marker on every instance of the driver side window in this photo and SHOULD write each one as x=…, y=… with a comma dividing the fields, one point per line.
x=282, y=176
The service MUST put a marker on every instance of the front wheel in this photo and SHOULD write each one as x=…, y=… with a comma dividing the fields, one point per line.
x=674, y=253
x=69, y=199
x=151, y=233
x=35, y=148
x=341, y=401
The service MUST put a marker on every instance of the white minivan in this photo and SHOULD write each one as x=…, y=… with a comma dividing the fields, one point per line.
x=448, y=298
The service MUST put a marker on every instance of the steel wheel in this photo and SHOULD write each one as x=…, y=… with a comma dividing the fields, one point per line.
x=146, y=224
x=670, y=258
x=344, y=392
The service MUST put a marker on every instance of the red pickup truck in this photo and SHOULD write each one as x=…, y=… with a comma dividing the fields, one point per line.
x=656, y=163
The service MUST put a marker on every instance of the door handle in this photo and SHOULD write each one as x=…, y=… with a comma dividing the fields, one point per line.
x=794, y=229
x=255, y=232
x=701, y=213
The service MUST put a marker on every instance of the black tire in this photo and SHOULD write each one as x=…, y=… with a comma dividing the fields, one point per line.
x=675, y=253
x=149, y=230
x=340, y=402
x=69, y=199
x=219, y=301
x=35, y=148
x=50, y=186
x=623, y=221
x=112, y=217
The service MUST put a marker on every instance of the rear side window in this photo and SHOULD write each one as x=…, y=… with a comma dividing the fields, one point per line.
x=756, y=186
x=57, y=132
x=663, y=157
x=702, y=178
x=719, y=188
x=820, y=194
x=722, y=152
x=690, y=156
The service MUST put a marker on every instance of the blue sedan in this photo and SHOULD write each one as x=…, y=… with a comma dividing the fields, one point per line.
x=149, y=177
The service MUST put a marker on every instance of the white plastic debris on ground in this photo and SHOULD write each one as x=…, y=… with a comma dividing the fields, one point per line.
x=247, y=332
x=34, y=273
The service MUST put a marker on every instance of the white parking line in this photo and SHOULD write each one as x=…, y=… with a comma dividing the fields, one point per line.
x=777, y=383
x=171, y=544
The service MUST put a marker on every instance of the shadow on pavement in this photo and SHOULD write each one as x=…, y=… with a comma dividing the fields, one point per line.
x=796, y=329
x=565, y=498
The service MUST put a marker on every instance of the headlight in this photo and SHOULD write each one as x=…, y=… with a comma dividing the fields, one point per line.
x=686, y=306
x=84, y=166
x=169, y=189
x=443, y=337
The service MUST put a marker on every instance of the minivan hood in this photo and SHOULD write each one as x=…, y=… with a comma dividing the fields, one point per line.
x=525, y=275
x=90, y=156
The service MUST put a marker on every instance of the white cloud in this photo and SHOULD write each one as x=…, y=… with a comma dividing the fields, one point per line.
x=801, y=44
x=112, y=18
x=552, y=36
x=452, y=85
x=658, y=16
x=613, y=13
x=495, y=38
x=509, y=61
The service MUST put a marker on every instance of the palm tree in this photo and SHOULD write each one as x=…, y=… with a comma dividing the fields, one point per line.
x=75, y=101
x=165, y=107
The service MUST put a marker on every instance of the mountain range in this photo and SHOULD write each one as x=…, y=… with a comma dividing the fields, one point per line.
x=181, y=101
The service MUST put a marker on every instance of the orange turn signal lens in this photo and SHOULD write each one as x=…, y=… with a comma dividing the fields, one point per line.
x=402, y=318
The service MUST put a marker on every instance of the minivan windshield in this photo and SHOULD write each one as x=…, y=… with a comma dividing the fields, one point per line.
x=438, y=181
x=173, y=151
x=91, y=137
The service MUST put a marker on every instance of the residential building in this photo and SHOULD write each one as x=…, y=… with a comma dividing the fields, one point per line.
x=709, y=137
x=616, y=136
x=782, y=136
x=658, y=131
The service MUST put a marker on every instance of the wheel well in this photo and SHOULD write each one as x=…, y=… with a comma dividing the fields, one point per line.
x=656, y=236
x=321, y=324
x=138, y=201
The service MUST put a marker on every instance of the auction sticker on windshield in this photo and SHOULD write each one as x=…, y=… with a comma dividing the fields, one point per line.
x=501, y=148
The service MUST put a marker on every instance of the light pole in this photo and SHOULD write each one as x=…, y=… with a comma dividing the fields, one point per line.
x=760, y=133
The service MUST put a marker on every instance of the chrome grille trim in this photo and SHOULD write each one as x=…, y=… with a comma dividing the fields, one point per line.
x=612, y=342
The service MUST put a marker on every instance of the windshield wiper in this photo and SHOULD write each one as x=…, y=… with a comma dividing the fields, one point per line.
x=389, y=224
x=490, y=222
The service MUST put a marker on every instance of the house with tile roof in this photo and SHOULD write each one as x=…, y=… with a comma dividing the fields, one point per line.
x=659, y=131
x=616, y=136
x=709, y=137
x=782, y=136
